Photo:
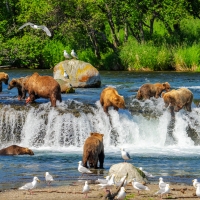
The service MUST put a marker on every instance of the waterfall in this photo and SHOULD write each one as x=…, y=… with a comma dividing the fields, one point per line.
x=71, y=122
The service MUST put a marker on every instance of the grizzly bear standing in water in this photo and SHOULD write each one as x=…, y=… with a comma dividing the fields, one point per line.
x=110, y=97
x=93, y=150
x=43, y=86
x=149, y=90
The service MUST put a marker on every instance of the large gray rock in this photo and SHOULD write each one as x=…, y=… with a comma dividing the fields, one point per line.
x=81, y=74
x=123, y=169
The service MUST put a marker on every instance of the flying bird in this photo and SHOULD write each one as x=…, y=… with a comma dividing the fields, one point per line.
x=86, y=189
x=125, y=155
x=73, y=54
x=30, y=186
x=44, y=28
x=66, y=55
x=48, y=178
x=139, y=186
x=82, y=169
x=164, y=190
x=122, y=194
x=195, y=182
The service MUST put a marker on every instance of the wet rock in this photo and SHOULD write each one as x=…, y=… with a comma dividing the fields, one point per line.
x=65, y=86
x=81, y=74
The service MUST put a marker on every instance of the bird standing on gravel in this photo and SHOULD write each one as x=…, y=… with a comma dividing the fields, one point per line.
x=48, y=178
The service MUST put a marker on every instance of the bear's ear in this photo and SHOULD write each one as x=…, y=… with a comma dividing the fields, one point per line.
x=91, y=134
x=14, y=82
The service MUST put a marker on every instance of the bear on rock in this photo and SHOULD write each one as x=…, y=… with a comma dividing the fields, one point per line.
x=93, y=151
x=149, y=90
x=110, y=97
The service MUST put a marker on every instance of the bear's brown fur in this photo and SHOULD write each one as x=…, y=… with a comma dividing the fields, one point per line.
x=93, y=150
x=4, y=77
x=149, y=90
x=19, y=83
x=16, y=150
x=178, y=99
x=43, y=86
x=110, y=97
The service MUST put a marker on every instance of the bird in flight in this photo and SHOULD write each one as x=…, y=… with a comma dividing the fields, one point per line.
x=44, y=28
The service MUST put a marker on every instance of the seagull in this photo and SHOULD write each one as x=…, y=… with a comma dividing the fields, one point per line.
x=125, y=155
x=44, y=28
x=109, y=184
x=66, y=55
x=121, y=180
x=164, y=190
x=82, y=169
x=30, y=186
x=195, y=182
x=147, y=174
x=139, y=186
x=48, y=178
x=122, y=194
x=66, y=75
x=105, y=180
x=198, y=189
x=161, y=184
x=73, y=54
x=86, y=189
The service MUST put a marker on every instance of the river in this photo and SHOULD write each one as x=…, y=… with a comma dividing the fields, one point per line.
x=56, y=135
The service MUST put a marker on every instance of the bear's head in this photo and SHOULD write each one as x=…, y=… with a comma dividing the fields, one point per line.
x=169, y=99
x=12, y=84
x=119, y=101
x=166, y=86
x=97, y=135
x=26, y=151
x=4, y=77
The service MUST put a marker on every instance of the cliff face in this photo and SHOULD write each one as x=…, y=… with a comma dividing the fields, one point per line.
x=80, y=74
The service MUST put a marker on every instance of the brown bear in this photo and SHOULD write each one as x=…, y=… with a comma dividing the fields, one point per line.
x=177, y=99
x=19, y=83
x=110, y=97
x=93, y=150
x=152, y=90
x=43, y=86
x=16, y=150
x=4, y=77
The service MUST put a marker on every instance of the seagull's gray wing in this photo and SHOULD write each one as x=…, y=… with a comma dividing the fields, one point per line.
x=128, y=155
x=44, y=28
x=26, y=24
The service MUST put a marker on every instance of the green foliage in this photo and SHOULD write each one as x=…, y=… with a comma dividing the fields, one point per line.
x=129, y=196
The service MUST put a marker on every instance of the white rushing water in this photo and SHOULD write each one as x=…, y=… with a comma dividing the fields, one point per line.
x=57, y=129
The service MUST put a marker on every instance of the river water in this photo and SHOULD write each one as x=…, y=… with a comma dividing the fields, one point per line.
x=144, y=129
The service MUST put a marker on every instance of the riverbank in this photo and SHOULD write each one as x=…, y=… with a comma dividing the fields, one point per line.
x=74, y=192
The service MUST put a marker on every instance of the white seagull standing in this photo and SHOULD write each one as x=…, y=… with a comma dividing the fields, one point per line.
x=66, y=55
x=48, y=178
x=73, y=54
x=198, y=189
x=86, y=189
x=147, y=174
x=139, y=186
x=161, y=184
x=109, y=184
x=30, y=186
x=44, y=28
x=164, y=190
x=82, y=169
x=125, y=155
x=195, y=182
x=66, y=75
x=121, y=194
x=105, y=180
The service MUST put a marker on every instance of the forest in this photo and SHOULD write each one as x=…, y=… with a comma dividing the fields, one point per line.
x=154, y=35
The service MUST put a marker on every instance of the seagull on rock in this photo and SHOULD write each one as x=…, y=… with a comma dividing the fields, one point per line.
x=125, y=155
x=86, y=189
x=66, y=55
x=66, y=75
x=48, y=178
x=139, y=186
x=73, y=54
x=82, y=169
x=30, y=186
x=147, y=174
x=44, y=28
